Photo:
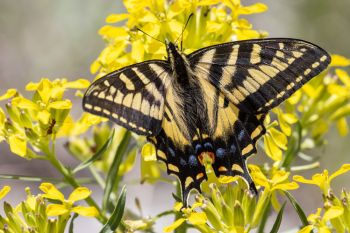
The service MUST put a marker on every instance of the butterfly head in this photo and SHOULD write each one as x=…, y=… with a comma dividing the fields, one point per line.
x=176, y=58
x=172, y=50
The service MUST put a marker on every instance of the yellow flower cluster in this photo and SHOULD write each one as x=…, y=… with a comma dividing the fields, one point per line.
x=34, y=215
x=336, y=210
x=310, y=112
x=229, y=211
x=43, y=117
x=214, y=22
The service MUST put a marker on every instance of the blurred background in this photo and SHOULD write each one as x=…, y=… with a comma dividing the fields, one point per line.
x=58, y=39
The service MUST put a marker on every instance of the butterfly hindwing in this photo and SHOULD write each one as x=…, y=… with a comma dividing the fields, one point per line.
x=257, y=75
x=181, y=161
x=132, y=97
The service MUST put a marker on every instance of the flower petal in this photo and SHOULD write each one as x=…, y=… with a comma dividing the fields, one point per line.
x=87, y=211
x=279, y=138
x=114, y=18
x=138, y=50
x=342, y=126
x=44, y=116
x=178, y=206
x=56, y=209
x=4, y=191
x=51, y=192
x=61, y=104
x=338, y=60
x=286, y=186
x=253, y=9
x=344, y=168
x=79, y=193
x=197, y=218
x=24, y=103
x=306, y=229
x=9, y=93
x=333, y=212
x=227, y=179
x=271, y=149
x=95, y=66
x=324, y=229
x=301, y=179
x=258, y=177
x=173, y=226
x=148, y=152
x=77, y=84
x=18, y=145
x=280, y=176
x=343, y=76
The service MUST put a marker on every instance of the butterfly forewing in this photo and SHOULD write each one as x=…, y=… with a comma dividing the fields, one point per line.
x=257, y=75
x=132, y=97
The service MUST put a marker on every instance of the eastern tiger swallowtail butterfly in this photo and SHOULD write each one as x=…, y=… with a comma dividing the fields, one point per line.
x=211, y=102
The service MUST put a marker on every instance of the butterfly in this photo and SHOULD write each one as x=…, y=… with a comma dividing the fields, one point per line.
x=209, y=104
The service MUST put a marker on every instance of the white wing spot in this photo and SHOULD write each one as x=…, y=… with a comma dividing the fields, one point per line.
x=88, y=106
x=97, y=108
x=306, y=72
x=315, y=64
x=323, y=58
x=106, y=83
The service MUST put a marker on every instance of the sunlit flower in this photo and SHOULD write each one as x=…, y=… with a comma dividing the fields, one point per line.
x=275, y=141
x=165, y=20
x=316, y=221
x=35, y=121
x=278, y=181
x=338, y=60
x=67, y=205
x=323, y=180
x=189, y=214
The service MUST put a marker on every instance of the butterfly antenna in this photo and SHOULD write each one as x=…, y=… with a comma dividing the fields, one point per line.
x=182, y=32
x=139, y=29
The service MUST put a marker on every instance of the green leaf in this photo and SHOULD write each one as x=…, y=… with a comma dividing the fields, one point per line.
x=297, y=208
x=96, y=156
x=278, y=220
x=112, y=179
x=114, y=221
x=176, y=197
x=71, y=225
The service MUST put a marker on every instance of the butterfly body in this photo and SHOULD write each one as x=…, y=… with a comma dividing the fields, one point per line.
x=210, y=103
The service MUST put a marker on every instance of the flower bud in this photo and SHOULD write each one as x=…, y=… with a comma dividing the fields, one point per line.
x=213, y=215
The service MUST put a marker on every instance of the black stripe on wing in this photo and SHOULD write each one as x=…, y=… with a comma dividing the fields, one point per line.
x=132, y=97
x=257, y=75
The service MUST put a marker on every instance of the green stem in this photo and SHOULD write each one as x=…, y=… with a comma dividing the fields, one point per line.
x=70, y=179
x=264, y=218
x=178, y=215
x=97, y=177
x=293, y=147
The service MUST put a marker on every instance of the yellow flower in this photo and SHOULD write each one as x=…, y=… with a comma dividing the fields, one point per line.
x=5, y=190
x=190, y=215
x=323, y=180
x=9, y=94
x=338, y=60
x=67, y=205
x=37, y=120
x=320, y=223
x=279, y=180
x=275, y=141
